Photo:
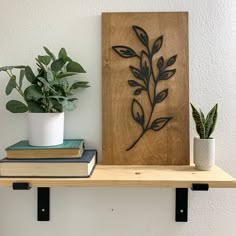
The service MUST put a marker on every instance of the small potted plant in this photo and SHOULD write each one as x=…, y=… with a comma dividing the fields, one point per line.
x=48, y=94
x=204, y=146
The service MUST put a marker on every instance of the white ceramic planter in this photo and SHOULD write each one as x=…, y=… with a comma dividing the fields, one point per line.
x=46, y=129
x=204, y=153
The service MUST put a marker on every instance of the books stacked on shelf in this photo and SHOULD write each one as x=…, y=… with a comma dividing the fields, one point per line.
x=69, y=159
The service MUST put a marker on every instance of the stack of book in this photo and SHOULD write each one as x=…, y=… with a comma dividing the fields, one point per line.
x=69, y=159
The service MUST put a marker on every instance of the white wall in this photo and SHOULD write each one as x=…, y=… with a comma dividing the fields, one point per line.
x=27, y=25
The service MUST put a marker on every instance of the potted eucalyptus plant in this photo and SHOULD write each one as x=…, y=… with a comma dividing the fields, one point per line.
x=204, y=145
x=47, y=95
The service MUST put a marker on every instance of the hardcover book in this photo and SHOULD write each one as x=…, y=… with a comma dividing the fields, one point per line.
x=57, y=167
x=70, y=148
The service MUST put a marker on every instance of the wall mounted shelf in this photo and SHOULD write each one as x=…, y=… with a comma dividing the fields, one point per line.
x=179, y=177
x=136, y=176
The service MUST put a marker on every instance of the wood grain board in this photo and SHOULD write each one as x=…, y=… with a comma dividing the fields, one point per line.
x=169, y=145
x=136, y=176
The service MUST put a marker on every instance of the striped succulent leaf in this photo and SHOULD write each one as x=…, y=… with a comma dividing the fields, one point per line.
x=198, y=121
x=211, y=121
x=202, y=116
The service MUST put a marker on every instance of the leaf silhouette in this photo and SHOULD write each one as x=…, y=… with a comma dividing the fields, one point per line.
x=136, y=72
x=137, y=112
x=167, y=74
x=134, y=83
x=145, y=65
x=160, y=123
x=172, y=60
x=160, y=63
x=157, y=45
x=142, y=35
x=161, y=96
x=138, y=91
x=124, y=51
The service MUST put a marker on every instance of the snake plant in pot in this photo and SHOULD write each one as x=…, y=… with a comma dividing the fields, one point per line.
x=45, y=94
x=204, y=146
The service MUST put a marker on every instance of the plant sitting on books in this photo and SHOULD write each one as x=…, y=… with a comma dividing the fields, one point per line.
x=50, y=90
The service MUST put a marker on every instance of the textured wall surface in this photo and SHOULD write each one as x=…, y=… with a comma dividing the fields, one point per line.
x=27, y=25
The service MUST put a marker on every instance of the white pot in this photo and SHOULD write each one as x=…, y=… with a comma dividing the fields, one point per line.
x=204, y=153
x=46, y=129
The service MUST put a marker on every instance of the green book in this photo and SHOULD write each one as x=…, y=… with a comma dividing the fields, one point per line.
x=70, y=148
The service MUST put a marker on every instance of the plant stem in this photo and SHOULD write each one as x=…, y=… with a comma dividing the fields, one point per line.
x=136, y=141
x=151, y=102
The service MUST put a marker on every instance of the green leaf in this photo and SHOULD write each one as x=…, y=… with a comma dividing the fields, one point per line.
x=57, y=65
x=198, y=122
x=50, y=76
x=69, y=59
x=73, y=66
x=35, y=107
x=16, y=107
x=30, y=75
x=56, y=105
x=46, y=83
x=39, y=64
x=62, y=54
x=49, y=53
x=202, y=116
x=60, y=89
x=11, y=85
x=44, y=59
x=211, y=121
x=33, y=92
x=66, y=74
x=79, y=84
x=5, y=68
x=160, y=123
x=68, y=105
x=22, y=74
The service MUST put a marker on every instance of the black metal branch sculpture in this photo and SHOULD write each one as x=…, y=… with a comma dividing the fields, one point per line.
x=147, y=80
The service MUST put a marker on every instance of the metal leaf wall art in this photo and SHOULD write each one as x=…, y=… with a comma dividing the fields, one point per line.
x=146, y=81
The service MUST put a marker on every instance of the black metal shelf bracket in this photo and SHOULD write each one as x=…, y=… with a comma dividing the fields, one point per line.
x=43, y=199
x=43, y=204
x=21, y=186
x=181, y=201
x=181, y=205
x=200, y=187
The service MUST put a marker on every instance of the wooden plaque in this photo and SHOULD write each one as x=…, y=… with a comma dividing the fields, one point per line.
x=145, y=88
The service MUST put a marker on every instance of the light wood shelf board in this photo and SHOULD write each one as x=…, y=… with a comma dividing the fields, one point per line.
x=136, y=176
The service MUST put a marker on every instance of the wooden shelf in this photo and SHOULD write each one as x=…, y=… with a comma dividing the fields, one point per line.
x=136, y=176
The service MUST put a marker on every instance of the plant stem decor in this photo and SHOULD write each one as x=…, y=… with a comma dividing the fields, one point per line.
x=205, y=125
x=146, y=81
x=50, y=89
